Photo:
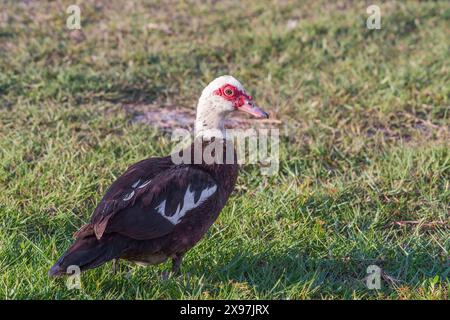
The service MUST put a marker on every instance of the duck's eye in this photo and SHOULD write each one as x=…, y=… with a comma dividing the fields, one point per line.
x=228, y=92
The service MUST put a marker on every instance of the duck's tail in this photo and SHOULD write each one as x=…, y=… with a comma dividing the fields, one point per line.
x=88, y=252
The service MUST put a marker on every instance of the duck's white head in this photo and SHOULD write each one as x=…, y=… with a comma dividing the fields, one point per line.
x=221, y=97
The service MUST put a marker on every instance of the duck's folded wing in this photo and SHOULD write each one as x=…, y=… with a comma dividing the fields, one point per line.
x=155, y=209
x=124, y=192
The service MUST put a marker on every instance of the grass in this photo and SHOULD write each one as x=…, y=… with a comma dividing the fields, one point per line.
x=365, y=145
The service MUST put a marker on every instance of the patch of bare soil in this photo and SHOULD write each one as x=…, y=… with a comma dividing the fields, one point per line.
x=407, y=127
x=168, y=118
x=422, y=224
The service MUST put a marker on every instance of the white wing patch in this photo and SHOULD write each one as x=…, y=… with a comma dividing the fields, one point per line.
x=129, y=196
x=188, y=204
x=136, y=184
x=144, y=184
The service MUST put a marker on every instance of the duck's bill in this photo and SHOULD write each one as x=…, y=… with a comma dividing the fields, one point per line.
x=254, y=110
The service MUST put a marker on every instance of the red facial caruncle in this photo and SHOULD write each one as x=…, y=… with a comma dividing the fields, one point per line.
x=233, y=94
x=241, y=101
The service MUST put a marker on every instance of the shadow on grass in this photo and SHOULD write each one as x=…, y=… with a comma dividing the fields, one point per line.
x=289, y=274
x=293, y=273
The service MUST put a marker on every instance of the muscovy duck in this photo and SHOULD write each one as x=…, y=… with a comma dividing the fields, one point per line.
x=159, y=209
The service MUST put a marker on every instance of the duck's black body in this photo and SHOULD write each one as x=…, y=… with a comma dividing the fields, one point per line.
x=142, y=216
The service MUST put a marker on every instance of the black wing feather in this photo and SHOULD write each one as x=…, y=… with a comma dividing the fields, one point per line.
x=136, y=216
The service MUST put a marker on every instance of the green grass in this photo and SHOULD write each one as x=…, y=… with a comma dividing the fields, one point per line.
x=366, y=143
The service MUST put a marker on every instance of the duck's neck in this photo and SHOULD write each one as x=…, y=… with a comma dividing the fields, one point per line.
x=209, y=123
